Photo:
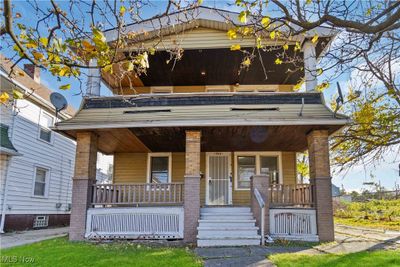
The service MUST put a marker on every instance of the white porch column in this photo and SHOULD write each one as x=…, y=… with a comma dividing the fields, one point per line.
x=93, y=82
x=310, y=66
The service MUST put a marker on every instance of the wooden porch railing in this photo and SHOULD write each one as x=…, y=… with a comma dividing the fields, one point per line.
x=137, y=194
x=291, y=195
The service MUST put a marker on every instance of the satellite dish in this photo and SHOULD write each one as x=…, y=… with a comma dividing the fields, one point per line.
x=59, y=102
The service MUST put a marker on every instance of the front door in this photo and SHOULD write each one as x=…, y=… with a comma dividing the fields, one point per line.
x=218, y=178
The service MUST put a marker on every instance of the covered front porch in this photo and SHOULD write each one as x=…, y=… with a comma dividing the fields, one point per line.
x=168, y=173
x=159, y=195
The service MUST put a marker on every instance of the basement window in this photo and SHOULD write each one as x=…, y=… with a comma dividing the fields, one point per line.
x=41, y=221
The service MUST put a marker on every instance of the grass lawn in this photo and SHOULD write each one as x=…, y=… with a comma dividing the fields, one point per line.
x=364, y=259
x=385, y=225
x=382, y=214
x=61, y=252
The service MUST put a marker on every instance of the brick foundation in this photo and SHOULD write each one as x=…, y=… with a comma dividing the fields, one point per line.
x=20, y=222
x=318, y=150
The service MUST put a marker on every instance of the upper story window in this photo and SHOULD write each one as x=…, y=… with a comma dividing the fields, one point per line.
x=41, y=182
x=262, y=88
x=161, y=90
x=159, y=168
x=45, y=133
x=217, y=88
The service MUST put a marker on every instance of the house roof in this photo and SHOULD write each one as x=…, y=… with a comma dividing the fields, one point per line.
x=39, y=90
x=200, y=16
x=195, y=110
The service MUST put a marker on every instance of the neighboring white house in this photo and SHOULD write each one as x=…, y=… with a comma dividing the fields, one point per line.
x=37, y=164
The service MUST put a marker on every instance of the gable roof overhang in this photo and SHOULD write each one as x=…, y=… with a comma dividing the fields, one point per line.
x=181, y=29
x=201, y=16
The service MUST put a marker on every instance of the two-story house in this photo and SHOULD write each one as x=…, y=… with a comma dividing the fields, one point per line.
x=37, y=163
x=203, y=152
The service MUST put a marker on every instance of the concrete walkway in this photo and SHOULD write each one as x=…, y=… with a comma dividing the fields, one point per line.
x=14, y=239
x=348, y=240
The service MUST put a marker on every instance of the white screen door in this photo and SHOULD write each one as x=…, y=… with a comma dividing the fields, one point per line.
x=219, y=179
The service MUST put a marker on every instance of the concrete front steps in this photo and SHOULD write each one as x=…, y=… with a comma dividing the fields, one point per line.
x=227, y=226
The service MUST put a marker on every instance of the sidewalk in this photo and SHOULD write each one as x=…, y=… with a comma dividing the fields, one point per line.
x=348, y=240
x=14, y=239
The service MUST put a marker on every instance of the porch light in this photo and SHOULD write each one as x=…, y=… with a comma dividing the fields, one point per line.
x=203, y=73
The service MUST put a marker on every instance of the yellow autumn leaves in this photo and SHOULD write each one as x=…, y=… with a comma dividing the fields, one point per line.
x=5, y=97
x=235, y=47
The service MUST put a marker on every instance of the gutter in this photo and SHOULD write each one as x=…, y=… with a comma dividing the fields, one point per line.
x=191, y=123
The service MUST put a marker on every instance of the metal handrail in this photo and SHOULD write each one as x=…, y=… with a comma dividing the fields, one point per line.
x=261, y=203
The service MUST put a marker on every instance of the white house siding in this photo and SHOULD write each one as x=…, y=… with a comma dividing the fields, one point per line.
x=58, y=157
x=3, y=170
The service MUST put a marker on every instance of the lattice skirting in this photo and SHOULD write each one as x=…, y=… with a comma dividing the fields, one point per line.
x=135, y=223
x=293, y=224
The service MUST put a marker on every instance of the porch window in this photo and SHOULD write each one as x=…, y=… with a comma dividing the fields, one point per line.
x=248, y=164
x=246, y=169
x=269, y=165
x=159, y=168
x=40, y=183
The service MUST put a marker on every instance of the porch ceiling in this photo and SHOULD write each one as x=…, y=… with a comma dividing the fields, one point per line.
x=217, y=67
x=234, y=138
x=213, y=139
x=228, y=121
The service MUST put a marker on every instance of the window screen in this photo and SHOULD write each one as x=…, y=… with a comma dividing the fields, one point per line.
x=269, y=165
x=246, y=169
x=40, y=182
x=159, y=169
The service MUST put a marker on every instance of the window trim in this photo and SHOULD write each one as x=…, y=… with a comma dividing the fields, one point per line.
x=42, y=112
x=256, y=154
x=47, y=180
x=207, y=175
x=166, y=154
